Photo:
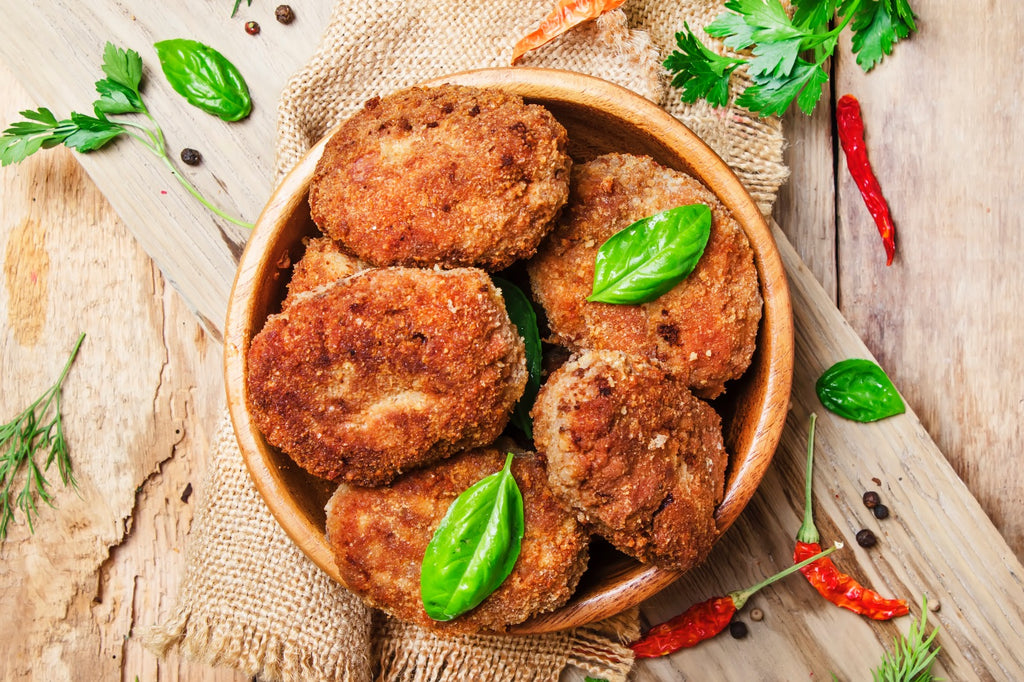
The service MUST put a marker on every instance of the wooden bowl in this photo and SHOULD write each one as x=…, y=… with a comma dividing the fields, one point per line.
x=600, y=117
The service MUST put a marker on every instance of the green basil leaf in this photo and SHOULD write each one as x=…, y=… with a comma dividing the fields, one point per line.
x=646, y=259
x=859, y=389
x=521, y=312
x=205, y=78
x=122, y=66
x=475, y=546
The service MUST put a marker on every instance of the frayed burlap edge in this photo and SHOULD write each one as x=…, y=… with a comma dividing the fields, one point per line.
x=411, y=654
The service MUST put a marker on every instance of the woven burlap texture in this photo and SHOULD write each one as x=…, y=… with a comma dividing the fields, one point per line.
x=250, y=599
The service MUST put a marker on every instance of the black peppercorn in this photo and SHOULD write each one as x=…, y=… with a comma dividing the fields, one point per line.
x=881, y=511
x=252, y=28
x=738, y=629
x=865, y=538
x=871, y=499
x=191, y=156
x=284, y=14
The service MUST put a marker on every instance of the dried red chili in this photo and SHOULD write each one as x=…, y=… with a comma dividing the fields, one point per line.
x=839, y=588
x=851, y=137
x=565, y=15
x=708, y=618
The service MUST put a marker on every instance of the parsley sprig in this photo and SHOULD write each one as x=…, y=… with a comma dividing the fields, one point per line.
x=119, y=95
x=39, y=427
x=786, y=54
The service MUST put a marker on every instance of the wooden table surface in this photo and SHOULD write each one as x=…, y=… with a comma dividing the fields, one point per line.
x=108, y=244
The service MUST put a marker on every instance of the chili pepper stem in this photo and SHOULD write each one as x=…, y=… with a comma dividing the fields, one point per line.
x=740, y=597
x=808, y=531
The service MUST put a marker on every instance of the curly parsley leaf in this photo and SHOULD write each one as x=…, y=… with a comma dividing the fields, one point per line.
x=876, y=29
x=699, y=72
x=42, y=130
x=813, y=13
x=122, y=66
x=770, y=96
x=786, y=54
x=115, y=98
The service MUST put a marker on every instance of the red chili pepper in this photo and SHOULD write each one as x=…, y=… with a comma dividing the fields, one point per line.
x=851, y=137
x=839, y=588
x=705, y=620
x=565, y=15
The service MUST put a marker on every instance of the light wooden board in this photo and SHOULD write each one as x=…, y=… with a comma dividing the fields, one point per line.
x=950, y=139
x=140, y=404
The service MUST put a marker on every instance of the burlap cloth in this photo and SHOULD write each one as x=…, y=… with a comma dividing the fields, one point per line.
x=250, y=599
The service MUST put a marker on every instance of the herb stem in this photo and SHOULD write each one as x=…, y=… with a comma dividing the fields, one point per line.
x=157, y=145
x=199, y=197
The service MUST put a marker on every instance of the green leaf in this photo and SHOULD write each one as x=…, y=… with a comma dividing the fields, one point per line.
x=205, y=78
x=809, y=96
x=859, y=390
x=648, y=258
x=116, y=98
x=698, y=71
x=91, y=133
x=475, y=547
x=776, y=57
x=734, y=31
x=875, y=31
x=521, y=312
x=772, y=95
x=21, y=139
x=814, y=14
x=122, y=66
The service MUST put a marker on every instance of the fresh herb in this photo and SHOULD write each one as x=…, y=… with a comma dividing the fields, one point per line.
x=39, y=427
x=646, y=259
x=787, y=54
x=588, y=678
x=912, y=656
x=118, y=94
x=205, y=78
x=475, y=546
x=521, y=312
x=859, y=390
x=238, y=3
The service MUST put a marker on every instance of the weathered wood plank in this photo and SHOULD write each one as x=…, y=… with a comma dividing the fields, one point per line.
x=805, y=209
x=943, y=127
x=139, y=406
x=55, y=49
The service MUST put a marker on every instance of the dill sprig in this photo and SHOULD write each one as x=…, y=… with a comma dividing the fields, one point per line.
x=39, y=428
x=912, y=656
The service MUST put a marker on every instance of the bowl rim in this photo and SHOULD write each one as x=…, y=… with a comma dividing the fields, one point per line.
x=535, y=84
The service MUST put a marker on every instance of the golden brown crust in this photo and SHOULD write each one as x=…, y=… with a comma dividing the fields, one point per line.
x=450, y=175
x=322, y=263
x=704, y=329
x=379, y=536
x=386, y=370
x=634, y=453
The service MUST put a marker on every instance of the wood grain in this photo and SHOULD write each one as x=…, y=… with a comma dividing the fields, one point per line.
x=197, y=249
x=138, y=404
x=942, y=320
x=945, y=320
